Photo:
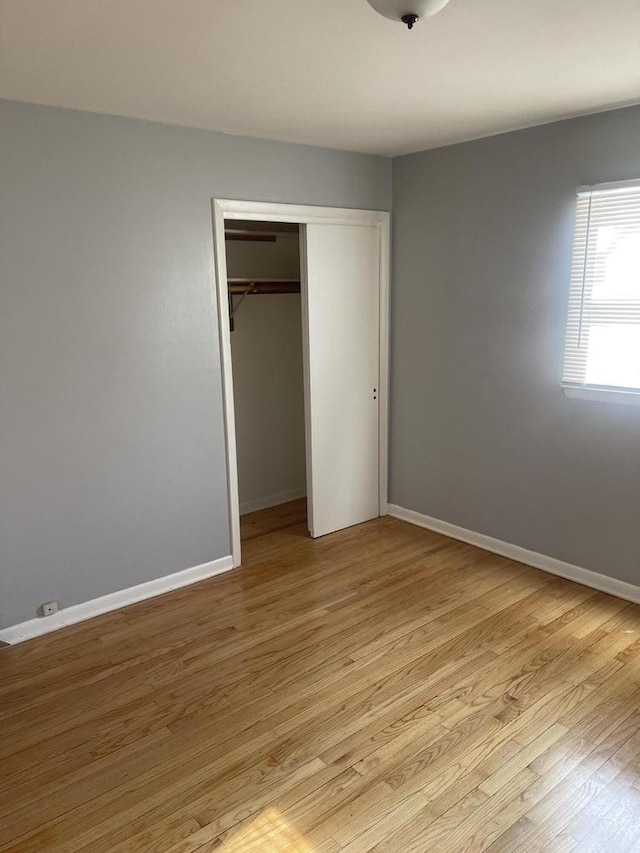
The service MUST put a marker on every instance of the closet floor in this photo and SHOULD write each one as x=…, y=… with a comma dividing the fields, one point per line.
x=274, y=518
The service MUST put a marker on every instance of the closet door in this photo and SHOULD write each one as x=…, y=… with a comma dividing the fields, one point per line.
x=341, y=321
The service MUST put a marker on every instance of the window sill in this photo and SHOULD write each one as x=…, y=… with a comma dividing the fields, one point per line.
x=600, y=395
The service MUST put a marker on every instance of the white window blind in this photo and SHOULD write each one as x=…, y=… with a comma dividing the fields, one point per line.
x=603, y=327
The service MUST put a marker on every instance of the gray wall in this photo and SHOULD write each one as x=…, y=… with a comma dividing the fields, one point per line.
x=112, y=467
x=482, y=435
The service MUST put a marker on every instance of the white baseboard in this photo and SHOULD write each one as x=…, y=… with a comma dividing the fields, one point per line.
x=273, y=500
x=603, y=583
x=113, y=601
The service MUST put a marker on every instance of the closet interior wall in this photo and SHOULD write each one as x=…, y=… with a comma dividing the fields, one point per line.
x=266, y=349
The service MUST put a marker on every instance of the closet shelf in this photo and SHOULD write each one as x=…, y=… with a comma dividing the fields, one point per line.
x=253, y=235
x=249, y=237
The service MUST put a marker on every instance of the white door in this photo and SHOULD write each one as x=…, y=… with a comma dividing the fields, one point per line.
x=341, y=320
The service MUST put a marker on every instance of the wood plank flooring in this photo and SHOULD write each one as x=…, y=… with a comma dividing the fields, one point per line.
x=275, y=518
x=384, y=688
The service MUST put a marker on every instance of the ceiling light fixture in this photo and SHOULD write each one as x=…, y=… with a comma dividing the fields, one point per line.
x=407, y=11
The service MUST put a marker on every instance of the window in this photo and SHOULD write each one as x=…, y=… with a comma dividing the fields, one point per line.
x=602, y=354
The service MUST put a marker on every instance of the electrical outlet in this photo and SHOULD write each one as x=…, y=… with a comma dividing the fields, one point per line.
x=49, y=608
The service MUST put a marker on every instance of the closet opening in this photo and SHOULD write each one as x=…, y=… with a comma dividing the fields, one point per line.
x=315, y=421
x=266, y=335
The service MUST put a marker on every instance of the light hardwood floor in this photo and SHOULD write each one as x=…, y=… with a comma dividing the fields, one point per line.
x=383, y=688
x=275, y=518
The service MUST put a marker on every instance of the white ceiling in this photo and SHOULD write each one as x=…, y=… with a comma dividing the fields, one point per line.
x=325, y=72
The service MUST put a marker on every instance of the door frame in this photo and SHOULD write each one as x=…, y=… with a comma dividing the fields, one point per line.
x=224, y=209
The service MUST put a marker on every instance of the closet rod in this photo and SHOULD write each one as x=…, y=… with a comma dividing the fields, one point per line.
x=244, y=287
